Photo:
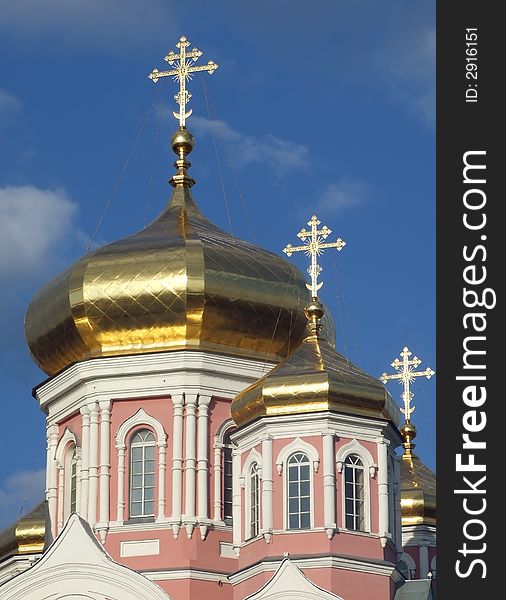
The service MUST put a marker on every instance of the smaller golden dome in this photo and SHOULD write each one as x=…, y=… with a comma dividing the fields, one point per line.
x=27, y=535
x=314, y=378
x=418, y=484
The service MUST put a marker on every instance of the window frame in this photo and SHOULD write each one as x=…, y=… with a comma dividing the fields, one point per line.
x=353, y=468
x=370, y=469
x=253, y=531
x=131, y=446
x=287, y=498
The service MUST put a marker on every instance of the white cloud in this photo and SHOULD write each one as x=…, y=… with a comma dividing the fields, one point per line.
x=410, y=62
x=281, y=155
x=9, y=106
x=20, y=493
x=341, y=195
x=34, y=225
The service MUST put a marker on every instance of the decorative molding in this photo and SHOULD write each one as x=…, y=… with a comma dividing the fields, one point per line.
x=67, y=438
x=355, y=447
x=321, y=562
x=297, y=445
x=140, y=418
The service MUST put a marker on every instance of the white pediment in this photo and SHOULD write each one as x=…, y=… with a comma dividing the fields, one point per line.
x=290, y=583
x=76, y=567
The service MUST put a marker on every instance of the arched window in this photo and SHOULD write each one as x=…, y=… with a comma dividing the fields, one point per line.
x=354, y=493
x=73, y=482
x=299, y=491
x=227, y=478
x=142, y=474
x=254, y=501
x=70, y=481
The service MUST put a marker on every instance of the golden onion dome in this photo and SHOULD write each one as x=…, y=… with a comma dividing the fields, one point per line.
x=418, y=484
x=314, y=378
x=180, y=283
x=26, y=536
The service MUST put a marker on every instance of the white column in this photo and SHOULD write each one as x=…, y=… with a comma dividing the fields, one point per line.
x=51, y=476
x=424, y=560
x=120, y=509
x=267, y=490
x=61, y=500
x=105, y=465
x=93, y=465
x=397, y=503
x=236, y=500
x=85, y=461
x=329, y=486
x=203, y=464
x=217, y=480
x=190, y=462
x=162, y=467
x=383, y=491
x=177, y=462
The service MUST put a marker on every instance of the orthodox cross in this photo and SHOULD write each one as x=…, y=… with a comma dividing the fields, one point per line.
x=183, y=68
x=314, y=248
x=406, y=376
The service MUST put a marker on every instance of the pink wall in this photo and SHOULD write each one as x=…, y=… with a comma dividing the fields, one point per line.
x=350, y=585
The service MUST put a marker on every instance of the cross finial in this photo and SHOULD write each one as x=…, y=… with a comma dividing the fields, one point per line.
x=314, y=248
x=183, y=68
x=406, y=376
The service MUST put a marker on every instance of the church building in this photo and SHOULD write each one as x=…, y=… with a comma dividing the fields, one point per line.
x=205, y=438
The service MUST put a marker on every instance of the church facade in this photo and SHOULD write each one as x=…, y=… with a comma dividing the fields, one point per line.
x=205, y=438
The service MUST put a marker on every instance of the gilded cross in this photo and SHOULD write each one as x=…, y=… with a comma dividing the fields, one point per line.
x=406, y=376
x=183, y=68
x=314, y=248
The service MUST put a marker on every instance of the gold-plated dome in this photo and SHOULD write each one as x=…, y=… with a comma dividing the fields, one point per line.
x=27, y=535
x=314, y=378
x=418, y=484
x=180, y=283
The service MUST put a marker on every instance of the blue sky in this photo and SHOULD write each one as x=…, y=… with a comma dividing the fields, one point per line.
x=325, y=107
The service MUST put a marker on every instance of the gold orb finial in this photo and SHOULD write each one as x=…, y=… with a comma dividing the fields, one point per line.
x=314, y=312
x=182, y=144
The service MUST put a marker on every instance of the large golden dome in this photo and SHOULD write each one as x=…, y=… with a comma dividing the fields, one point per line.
x=180, y=283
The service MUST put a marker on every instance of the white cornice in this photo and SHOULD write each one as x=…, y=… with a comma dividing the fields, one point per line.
x=194, y=574
x=313, y=424
x=321, y=562
x=147, y=375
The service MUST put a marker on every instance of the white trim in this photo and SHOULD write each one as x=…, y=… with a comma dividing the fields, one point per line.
x=140, y=418
x=218, y=447
x=410, y=563
x=290, y=583
x=321, y=562
x=295, y=450
x=312, y=424
x=145, y=376
x=63, y=455
x=355, y=447
x=190, y=462
x=194, y=574
x=254, y=458
x=177, y=462
x=93, y=465
x=297, y=445
x=61, y=450
x=222, y=430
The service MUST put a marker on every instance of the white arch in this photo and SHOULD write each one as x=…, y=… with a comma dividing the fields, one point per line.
x=355, y=447
x=297, y=445
x=253, y=457
x=67, y=438
x=140, y=418
x=410, y=563
x=222, y=430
